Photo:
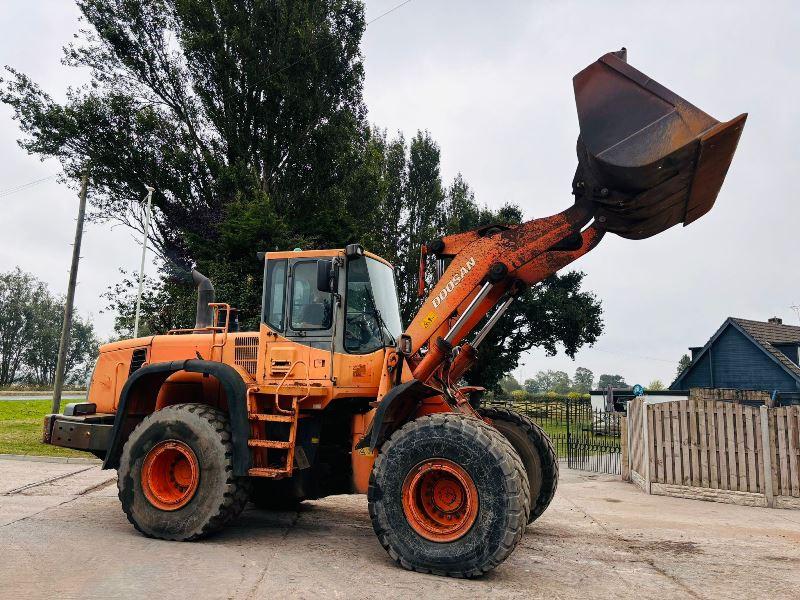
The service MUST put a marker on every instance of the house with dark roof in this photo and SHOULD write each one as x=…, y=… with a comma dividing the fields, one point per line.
x=745, y=354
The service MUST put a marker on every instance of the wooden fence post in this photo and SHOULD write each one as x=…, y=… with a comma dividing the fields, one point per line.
x=767, y=457
x=645, y=448
x=624, y=448
x=629, y=430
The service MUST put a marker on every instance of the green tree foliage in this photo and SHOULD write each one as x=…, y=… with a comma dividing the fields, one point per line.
x=248, y=119
x=656, y=385
x=549, y=381
x=164, y=305
x=423, y=203
x=19, y=303
x=582, y=381
x=615, y=381
x=509, y=384
x=553, y=313
x=683, y=364
x=30, y=329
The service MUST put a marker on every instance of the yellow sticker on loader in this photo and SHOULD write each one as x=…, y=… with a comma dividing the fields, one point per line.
x=429, y=319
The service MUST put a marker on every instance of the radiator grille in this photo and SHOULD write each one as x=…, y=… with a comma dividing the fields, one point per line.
x=245, y=352
x=137, y=360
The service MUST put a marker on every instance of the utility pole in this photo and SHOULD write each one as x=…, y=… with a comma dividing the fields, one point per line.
x=144, y=252
x=63, y=345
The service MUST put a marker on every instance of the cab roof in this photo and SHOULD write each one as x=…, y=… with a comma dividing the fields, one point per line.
x=319, y=254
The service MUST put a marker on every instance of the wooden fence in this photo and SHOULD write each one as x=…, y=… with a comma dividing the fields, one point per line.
x=715, y=450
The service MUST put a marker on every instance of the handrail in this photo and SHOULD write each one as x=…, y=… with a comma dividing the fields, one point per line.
x=294, y=402
x=216, y=306
x=211, y=328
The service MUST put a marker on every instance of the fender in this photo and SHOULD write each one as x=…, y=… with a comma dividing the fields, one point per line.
x=393, y=410
x=235, y=392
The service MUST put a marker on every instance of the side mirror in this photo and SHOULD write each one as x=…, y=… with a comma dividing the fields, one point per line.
x=353, y=251
x=327, y=276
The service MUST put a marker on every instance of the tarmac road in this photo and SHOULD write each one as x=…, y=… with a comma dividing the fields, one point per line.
x=63, y=535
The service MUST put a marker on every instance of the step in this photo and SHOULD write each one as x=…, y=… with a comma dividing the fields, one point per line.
x=278, y=418
x=269, y=444
x=265, y=472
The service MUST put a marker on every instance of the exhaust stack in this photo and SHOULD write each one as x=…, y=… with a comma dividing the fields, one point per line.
x=205, y=295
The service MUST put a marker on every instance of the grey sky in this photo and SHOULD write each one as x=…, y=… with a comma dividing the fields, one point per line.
x=492, y=83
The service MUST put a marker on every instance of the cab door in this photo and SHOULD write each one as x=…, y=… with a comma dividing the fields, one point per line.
x=299, y=322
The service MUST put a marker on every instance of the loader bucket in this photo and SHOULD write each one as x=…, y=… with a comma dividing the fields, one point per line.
x=653, y=159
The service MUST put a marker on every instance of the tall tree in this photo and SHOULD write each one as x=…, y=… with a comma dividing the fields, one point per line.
x=509, y=384
x=231, y=110
x=41, y=356
x=549, y=381
x=582, y=381
x=683, y=364
x=615, y=381
x=30, y=328
x=248, y=119
x=20, y=297
x=424, y=206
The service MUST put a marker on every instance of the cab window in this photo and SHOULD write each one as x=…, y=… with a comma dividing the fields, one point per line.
x=311, y=309
x=372, y=318
x=274, y=294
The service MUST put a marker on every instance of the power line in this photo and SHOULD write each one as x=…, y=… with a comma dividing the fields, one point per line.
x=25, y=186
x=391, y=10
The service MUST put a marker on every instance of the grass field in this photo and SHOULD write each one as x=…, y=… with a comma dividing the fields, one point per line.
x=21, y=429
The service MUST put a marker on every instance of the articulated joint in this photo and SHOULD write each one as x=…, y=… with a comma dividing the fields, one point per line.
x=497, y=272
x=436, y=246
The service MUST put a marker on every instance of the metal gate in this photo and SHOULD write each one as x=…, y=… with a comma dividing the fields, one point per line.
x=585, y=438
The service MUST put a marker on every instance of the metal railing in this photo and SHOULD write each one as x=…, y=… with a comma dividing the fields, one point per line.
x=585, y=438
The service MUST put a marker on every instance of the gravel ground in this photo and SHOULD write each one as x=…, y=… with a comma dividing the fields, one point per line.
x=62, y=534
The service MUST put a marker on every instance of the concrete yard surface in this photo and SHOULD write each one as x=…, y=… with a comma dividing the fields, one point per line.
x=63, y=535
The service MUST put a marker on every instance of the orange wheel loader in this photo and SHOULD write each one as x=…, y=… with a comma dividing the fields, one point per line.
x=331, y=395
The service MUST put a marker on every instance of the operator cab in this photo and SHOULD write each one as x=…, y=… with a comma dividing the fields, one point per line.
x=306, y=300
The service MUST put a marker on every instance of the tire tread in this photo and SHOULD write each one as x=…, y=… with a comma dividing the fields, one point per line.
x=236, y=494
x=545, y=449
x=516, y=477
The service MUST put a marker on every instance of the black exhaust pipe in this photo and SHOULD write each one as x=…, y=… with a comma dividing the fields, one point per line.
x=205, y=295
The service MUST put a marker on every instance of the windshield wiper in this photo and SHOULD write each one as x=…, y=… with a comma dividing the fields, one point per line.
x=381, y=323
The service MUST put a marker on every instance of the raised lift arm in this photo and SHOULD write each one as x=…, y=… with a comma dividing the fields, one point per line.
x=647, y=160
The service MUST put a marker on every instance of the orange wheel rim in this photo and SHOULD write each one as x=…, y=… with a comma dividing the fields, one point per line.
x=440, y=500
x=170, y=475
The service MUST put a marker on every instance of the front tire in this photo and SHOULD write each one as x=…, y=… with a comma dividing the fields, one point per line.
x=536, y=451
x=448, y=495
x=175, y=477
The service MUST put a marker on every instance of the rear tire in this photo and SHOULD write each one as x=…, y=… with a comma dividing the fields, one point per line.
x=474, y=503
x=188, y=489
x=536, y=451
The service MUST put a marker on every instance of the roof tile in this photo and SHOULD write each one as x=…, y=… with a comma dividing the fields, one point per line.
x=768, y=334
